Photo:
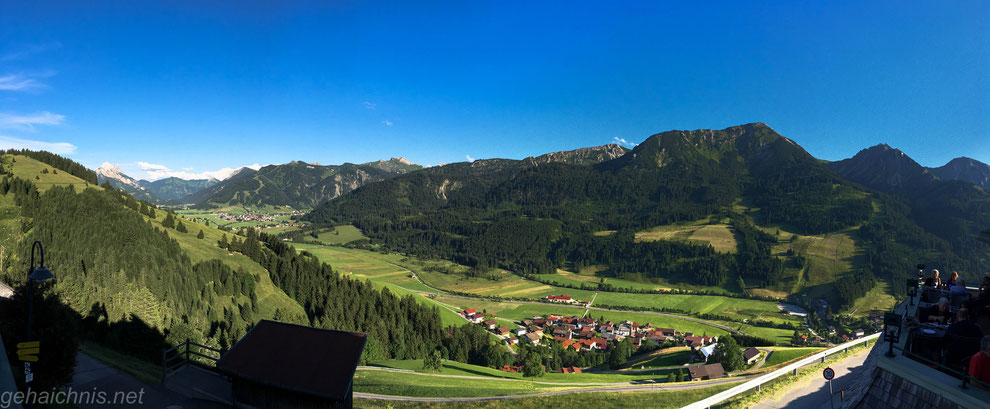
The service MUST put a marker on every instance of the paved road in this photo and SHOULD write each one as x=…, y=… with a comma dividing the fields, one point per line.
x=632, y=388
x=812, y=392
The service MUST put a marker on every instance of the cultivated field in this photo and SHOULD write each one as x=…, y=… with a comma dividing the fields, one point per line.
x=718, y=234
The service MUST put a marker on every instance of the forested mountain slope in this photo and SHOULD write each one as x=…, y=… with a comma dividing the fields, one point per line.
x=966, y=169
x=296, y=184
x=536, y=219
x=954, y=210
x=148, y=277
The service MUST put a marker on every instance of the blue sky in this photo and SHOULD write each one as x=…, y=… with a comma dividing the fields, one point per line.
x=182, y=89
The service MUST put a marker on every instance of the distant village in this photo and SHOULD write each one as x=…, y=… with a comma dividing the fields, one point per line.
x=586, y=333
x=266, y=220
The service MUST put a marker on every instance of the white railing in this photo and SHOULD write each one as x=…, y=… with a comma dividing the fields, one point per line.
x=756, y=382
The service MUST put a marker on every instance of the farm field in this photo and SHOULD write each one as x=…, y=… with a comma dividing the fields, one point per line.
x=339, y=235
x=718, y=235
x=457, y=368
x=675, y=358
x=782, y=355
x=394, y=269
x=518, y=311
x=602, y=400
x=359, y=264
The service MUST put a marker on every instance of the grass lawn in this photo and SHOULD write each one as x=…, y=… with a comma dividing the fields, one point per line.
x=412, y=384
x=672, y=359
x=599, y=400
x=457, y=368
x=782, y=355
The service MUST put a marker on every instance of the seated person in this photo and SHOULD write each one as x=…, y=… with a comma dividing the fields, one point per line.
x=935, y=280
x=979, y=364
x=964, y=327
x=952, y=279
x=938, y=313
x=929, y=282
x=959, y=288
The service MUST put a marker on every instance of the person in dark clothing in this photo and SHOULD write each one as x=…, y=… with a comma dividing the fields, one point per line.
x=964, y=327
x=938, y=313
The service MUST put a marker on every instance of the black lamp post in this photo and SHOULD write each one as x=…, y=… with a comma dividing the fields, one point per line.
x=912, y=289
x=891, y=331
x=41, y=273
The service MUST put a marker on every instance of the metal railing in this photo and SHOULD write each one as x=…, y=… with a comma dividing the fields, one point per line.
x=789, y=369
x=188, y=353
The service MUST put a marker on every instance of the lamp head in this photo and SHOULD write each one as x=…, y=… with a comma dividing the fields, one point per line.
x=41, y=273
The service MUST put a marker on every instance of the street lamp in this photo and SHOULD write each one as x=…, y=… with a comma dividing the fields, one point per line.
x=41, y=273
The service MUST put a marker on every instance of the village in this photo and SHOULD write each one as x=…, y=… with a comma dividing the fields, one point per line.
x=588, y=334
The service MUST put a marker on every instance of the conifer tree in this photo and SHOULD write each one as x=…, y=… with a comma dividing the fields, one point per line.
x=169, y=221
x=201, y=234
x=181, y=228
x=224, y=244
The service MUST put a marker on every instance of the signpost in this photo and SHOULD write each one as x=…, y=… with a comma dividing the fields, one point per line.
x=28, y=352
x=829, y=373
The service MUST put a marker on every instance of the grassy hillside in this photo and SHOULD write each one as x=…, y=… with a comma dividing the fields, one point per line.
x=624, y=400
x=41, y=174
x=136, y=298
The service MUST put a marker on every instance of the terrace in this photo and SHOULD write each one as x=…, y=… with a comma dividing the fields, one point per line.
x=924, y=355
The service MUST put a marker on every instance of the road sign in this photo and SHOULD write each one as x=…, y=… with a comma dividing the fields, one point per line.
x=829, y=373
x=28, y=351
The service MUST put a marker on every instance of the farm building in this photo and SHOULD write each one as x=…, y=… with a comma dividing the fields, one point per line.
x=279, y=365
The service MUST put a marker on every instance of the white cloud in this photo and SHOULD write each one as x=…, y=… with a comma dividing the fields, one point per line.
x=469, y=158
x=623, y=142
x=61, y=148
x=21, y=82
x=154, y=171
x=28, y=121
x=387, y=122
x=29, y=51
x=370, y=105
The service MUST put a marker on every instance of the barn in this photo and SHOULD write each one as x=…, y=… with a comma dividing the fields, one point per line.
x=279, y=365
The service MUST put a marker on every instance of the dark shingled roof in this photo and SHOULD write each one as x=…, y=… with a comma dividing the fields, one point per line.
x=750, y=352
x=312, y=361
x=711, y=371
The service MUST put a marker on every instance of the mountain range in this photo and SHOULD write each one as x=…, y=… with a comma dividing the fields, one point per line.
x=161, y=191
x=539, y=214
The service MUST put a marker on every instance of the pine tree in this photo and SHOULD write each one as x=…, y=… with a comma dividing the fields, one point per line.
x=224, y=244
x=169, y=221
x=151, y=212
x=201, y=234
x=181, y=228
x=433, y=361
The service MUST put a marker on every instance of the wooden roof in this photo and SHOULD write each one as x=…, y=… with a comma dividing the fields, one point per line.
x=307, y=360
